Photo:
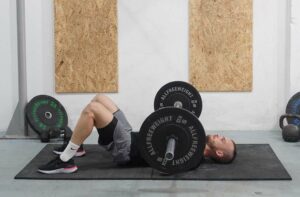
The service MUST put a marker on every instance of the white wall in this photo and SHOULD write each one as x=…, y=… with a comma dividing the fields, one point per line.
x=295, y=48
x=153, y=50
x=8, y=62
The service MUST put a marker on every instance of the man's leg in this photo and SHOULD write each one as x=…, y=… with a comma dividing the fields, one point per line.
x=113, y=108
x=107, y=102
x=95, y=114
x=119, y=134
x=109, y=105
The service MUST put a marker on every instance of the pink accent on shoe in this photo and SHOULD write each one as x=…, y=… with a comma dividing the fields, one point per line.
x=70, y=170
x=80, y=154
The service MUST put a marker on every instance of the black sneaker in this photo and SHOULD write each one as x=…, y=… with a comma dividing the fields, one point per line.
x=59, y=150
x=58, y=166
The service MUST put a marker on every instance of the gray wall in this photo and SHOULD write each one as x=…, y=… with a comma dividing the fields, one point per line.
x=153, y=50
x=8, y=62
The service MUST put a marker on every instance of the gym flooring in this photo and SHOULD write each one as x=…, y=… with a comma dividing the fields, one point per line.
x=16, y=153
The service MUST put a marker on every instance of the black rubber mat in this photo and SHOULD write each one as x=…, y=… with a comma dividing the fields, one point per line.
x=253, y=162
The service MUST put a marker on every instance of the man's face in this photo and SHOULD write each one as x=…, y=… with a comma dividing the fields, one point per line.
x=219, y=143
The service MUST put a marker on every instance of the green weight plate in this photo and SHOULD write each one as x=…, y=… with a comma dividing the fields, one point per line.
x=44, y=112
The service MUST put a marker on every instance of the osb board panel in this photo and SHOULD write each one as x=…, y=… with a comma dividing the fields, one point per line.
x=220, y=48
x=86, y=46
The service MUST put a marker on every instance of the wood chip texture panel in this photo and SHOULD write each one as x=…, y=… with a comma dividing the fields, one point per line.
x=220, y=48
x=86, y=46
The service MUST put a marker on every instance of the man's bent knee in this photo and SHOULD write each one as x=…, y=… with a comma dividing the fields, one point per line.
x=102, y=116
x=99, y=98
x=88, y=112
x=106, y=102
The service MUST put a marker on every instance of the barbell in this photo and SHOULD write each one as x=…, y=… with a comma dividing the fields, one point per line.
x=172, y=139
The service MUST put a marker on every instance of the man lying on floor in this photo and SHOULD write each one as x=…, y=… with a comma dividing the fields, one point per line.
x=116, y=134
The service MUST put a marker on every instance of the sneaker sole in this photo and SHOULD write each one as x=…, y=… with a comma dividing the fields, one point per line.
x=61, y=170
x=78, y=154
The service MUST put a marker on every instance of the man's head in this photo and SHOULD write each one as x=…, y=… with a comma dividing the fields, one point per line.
x=220, y=149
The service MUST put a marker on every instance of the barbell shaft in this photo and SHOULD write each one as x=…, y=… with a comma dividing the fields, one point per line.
x=169, y=155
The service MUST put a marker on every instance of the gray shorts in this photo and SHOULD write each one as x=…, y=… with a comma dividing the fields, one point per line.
x=120, y=147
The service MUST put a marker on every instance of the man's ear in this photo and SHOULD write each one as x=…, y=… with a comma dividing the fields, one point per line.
x=219, y=153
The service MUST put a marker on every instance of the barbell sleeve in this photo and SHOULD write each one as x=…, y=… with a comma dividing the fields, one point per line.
x=169, y=155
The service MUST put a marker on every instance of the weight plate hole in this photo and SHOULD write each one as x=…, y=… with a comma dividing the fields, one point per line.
x=178, y=104
x=48, y=115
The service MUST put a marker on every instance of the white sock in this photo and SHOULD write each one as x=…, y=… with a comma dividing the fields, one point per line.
x=69, y=152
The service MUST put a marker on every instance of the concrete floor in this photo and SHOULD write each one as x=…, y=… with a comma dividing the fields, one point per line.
x=17, y=153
